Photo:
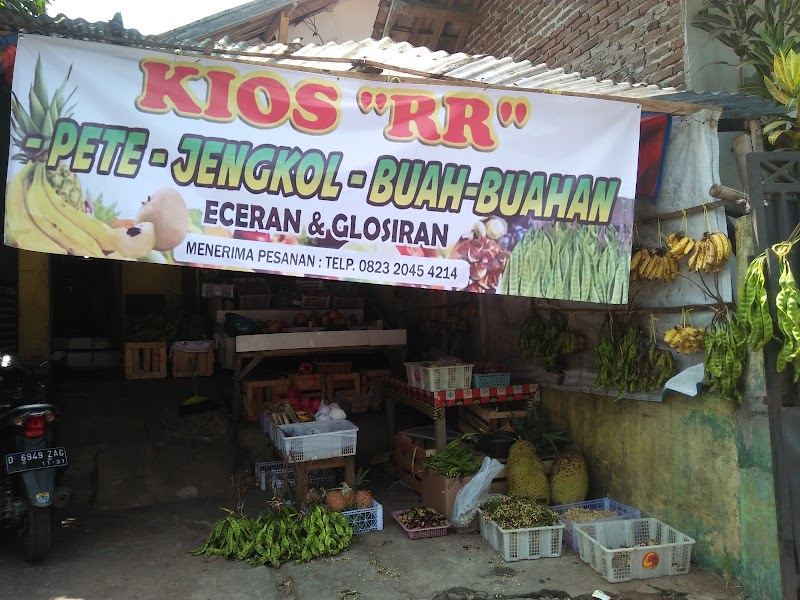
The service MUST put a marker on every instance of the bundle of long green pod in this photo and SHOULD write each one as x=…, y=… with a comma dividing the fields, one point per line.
x=456, y=460
x=622, y=362
x=226, y=538
x=549, y=341
x=530, y=335
x=279, y=535
x=726, y=348
x=787, y=303
x=753, y=305
x=616, y=354
x=326, y=533
x=584, y=263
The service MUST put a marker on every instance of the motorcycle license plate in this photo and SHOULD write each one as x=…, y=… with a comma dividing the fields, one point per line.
x=36, y=459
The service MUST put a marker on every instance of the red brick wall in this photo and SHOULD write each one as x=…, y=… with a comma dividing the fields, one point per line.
x=636, y=41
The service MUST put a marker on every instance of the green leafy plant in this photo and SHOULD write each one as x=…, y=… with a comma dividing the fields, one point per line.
x=32, y=7
x=535, y=427
x=783, y=84
x=754, y=33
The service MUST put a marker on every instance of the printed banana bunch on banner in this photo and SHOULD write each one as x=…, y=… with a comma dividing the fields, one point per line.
x=45, y=206
x=652, y=265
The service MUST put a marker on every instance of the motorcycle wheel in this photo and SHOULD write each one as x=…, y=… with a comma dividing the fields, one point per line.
x=36, y=535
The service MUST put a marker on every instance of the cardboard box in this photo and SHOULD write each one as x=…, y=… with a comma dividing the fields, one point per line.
x=439, y=492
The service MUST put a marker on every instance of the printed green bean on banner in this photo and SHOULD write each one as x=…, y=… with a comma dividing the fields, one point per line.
x=586, y=263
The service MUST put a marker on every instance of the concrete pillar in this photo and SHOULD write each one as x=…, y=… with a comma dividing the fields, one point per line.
x=34, y=306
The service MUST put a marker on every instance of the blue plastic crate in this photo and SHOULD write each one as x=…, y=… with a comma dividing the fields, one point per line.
x=487, y=380
x=363, y=520
x=623, y=512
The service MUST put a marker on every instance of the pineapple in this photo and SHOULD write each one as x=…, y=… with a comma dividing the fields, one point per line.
x=349, y=495
x=363, y=499
x=334, y=500
x=41, y=121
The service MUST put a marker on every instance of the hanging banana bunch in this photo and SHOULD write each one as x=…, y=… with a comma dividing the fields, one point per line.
x=685, y=338
x=652, y=264
x=679, y=245
x=711, y=251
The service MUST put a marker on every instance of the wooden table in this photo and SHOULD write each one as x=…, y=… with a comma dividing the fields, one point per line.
x=433, y=404
x=301, y=470
x=253, y=349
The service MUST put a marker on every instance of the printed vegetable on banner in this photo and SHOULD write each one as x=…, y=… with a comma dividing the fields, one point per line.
x=136, y=155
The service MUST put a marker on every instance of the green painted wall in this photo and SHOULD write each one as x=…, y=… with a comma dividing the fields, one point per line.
x=759, y=566
x=699, y=464
x=674, y=460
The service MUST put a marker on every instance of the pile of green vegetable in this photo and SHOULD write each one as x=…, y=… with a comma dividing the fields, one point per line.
x=277, y=536
x=456, y=460
x=519, y=513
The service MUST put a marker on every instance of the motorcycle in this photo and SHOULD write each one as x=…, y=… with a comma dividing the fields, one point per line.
x=30, y=458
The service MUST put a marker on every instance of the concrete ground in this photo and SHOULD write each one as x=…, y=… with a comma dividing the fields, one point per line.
x=150, y=487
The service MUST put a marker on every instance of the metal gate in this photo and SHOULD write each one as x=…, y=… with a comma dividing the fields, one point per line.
x=774, y=186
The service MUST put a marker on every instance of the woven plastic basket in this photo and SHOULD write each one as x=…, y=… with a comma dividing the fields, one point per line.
x=365, y=519
x=623, y=512
x=634, y=549
x=427, y=532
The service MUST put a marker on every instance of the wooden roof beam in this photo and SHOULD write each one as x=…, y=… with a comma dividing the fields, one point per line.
x=437, y=12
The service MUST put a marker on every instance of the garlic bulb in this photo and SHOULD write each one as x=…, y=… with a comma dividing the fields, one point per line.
x=337, y=414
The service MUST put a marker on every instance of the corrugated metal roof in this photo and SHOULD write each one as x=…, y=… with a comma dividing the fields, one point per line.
x=225, y=18
x=398, y=59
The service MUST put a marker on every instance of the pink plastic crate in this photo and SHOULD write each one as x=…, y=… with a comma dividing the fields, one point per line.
x=427, y=532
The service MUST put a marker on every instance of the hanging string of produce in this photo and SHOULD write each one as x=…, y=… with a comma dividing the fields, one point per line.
x=549, y=341
x=787, y=303
x=754, y=306
x=652, y=264
x=725, y=345
x=685, y=338
x=624, y=363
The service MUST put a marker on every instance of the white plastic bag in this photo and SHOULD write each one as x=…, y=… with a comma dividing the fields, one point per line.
x=467, y=498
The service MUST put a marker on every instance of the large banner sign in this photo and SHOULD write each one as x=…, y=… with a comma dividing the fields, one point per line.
x=132, y=154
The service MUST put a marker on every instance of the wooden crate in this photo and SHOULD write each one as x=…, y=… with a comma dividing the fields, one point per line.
x=256, y=392
x=145, y=360
x=373, y=377
x=410, y=461
x=188, y=364
x=350, y=383
x=312, y=384
x=477, y=418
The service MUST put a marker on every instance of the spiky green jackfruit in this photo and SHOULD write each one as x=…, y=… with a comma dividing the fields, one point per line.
x=525, y=473
x=569, y=478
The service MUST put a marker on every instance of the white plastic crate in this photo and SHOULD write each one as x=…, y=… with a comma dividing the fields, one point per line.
x=315, y=440
x=522, y=544
x=270, y=476
x=363, y=520
x=623, y=512
x=217, y=290
x=634, y=549
x=437, y=379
